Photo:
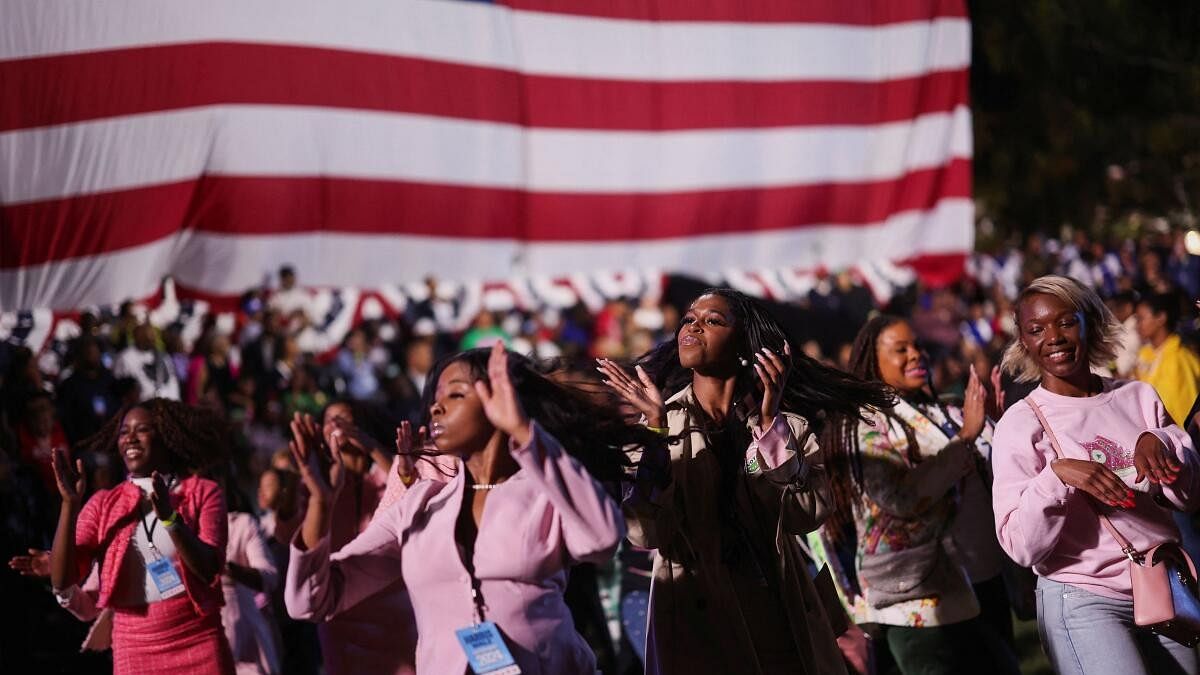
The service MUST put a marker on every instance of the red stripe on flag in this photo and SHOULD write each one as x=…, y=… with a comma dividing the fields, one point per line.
x=93, y=85
x=61, y=229
x=237, y=205
x=853, y=12
x=937, y=270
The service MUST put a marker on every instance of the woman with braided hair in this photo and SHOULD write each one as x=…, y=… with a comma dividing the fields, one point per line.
x=911, y=482
x=159, y=538
x=741, y=479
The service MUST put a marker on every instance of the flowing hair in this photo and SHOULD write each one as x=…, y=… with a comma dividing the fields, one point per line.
x=843, y=457
x=194, y=439
x=813, y=390
x=820, y=394
x=595, y=435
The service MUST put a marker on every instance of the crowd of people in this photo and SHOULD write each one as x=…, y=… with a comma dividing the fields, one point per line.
x=702, y=482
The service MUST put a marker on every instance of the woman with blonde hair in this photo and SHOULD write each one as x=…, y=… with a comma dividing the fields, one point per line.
x=1122, y=457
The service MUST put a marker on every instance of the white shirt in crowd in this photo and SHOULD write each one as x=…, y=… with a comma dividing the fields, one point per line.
x=286, y=301
x=153, y=370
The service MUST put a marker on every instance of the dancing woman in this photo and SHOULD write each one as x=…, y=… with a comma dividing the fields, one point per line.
x=494, y=544
x=159, y=537
x=911, y=483
x=741, y=479
x=1123, y=457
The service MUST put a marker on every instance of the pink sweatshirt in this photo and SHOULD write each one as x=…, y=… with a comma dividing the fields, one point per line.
x=535, y=525
x=1042, y=522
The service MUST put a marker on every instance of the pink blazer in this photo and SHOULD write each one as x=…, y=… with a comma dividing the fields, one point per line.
x=550, y=514
x=106, y=524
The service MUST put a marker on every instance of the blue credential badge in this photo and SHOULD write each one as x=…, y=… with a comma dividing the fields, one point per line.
x=165, y=578
x=486, y=651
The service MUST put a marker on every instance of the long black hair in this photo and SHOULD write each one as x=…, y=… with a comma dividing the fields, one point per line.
x=594, y=434
x=843, y=457
x=813, y=390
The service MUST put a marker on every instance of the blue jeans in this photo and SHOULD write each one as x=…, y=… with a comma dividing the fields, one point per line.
x=1088, y=634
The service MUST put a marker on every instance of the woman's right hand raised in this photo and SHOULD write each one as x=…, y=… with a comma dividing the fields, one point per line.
x=974, y=408
x=408, y=451
x=322, y=476
x=71, y=480
x=1095, y=479
x=641, y=393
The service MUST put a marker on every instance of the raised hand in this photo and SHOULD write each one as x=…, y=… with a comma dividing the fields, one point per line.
x=974, y=414
x=323, y=479
x=772, y=373
x=406, y=451
x=354, y=437
x=71, y=481
x=1154, y=461
x=499, y=397
x=641, y=393
x=36, y=564
x=1095, y=479
x=160, y=496
x=996, y=401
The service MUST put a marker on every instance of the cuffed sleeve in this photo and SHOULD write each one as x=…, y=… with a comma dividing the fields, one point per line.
x=771, y=447
x=1184, y=491
x=793, y=476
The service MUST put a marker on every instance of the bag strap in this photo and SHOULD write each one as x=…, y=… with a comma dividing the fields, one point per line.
x=1126, y=547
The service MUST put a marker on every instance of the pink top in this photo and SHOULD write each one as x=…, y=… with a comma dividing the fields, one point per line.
x=107, y=521
x=377, y=636
x=356, y=504
x=440, y=468
x=547, y=516
x=1042, y=522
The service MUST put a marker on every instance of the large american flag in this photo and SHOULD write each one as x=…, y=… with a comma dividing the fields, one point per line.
x=379, y=141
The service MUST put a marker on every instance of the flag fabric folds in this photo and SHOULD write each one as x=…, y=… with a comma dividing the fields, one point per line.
x=380, y=141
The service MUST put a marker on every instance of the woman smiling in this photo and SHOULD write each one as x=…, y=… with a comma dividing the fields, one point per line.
x=160, y=538
x=1119, y=446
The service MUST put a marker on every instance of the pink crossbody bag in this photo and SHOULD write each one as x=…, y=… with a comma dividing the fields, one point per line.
x=1163, y=577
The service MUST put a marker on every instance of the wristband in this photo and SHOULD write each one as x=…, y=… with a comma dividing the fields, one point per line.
x=171, y=521
x=661, y=431
x=65, y=596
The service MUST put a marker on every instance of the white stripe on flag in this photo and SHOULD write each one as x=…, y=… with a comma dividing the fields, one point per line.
x=254, y=140
x=227, y=265
x=483, y=35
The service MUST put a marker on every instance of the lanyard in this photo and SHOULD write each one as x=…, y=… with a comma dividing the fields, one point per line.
x=477, y=597
x=947, y=425
x=149, y=529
